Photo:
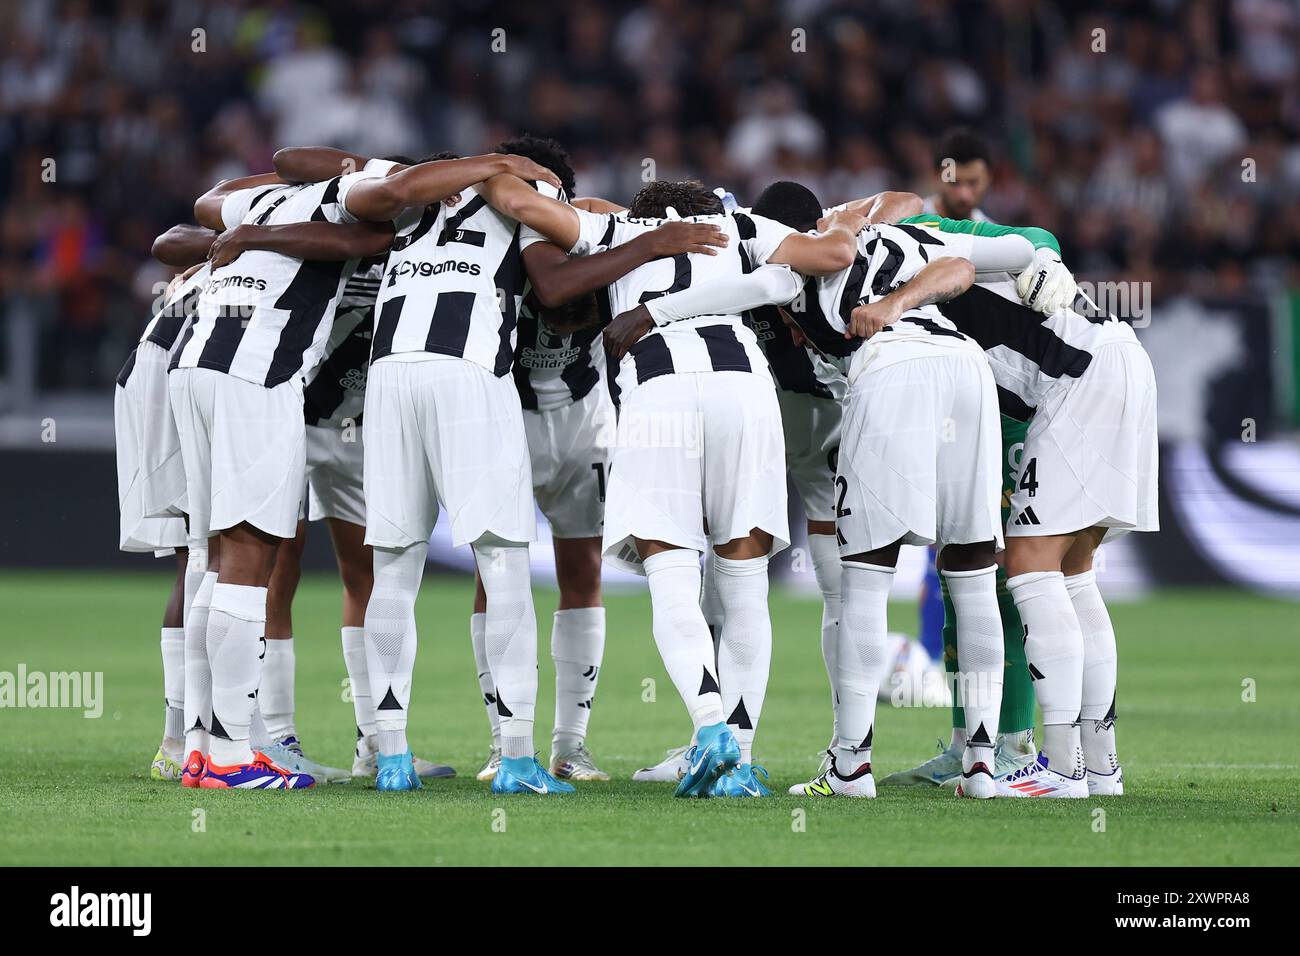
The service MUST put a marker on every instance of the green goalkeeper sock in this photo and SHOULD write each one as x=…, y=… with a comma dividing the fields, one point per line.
x=1017, y=689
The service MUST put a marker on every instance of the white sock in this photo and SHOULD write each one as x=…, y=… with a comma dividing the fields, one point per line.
x=681, y=634
x=173, y=656
x=391, y=640
x=354, y=658
x=275, y=699
x=478, y=637
x=861, y=659
x=198, y=674
x=510, y=639
x=236, y=641
x=825, y=551
x=196, y=565
x=979, y=654
x=715, y=616
x=577, y=647
x=1100, y=672
x=745, y=651
x=1054, y=650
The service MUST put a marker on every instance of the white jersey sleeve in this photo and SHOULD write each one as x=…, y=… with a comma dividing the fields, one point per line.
x=762, y=237
x=766, y=285
x=599, y=231
x=403, y=220
x=236, y=206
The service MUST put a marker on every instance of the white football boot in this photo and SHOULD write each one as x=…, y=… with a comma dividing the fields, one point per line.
x=576, y=765
x=860, y=783
x=1014, y=752
x=976, y=780
x=1038, y=780
x=669, y=770
x=287, y=753
x=489, y=768
x=943, y=769
x=1106, y=784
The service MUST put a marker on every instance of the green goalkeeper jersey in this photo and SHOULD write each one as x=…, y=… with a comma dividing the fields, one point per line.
x=1039, y=238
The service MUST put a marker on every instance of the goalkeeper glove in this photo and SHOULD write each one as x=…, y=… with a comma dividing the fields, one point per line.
x=1046, y=286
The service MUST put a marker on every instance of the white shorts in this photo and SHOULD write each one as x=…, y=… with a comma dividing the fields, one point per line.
x=150, y=472
x=243, y=446
x=442, y=431
x=1091, y=456
x=690, y=447
x=569, y=449
x=335, y=459
x=920, y=453
x=812, y=445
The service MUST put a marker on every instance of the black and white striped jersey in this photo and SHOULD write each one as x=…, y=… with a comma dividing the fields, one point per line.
x=1029, y=352
x=453, y=285
x=887, y=257
x=815, y=369
x=708, y=343
x=265, y=317
x=554, y=369
x=335, y=392
x=170, y=321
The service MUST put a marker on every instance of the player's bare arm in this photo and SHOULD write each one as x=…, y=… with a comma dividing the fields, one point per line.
x=207, y=208
x=829, y=250
x=597, y=205
x=183, y=245
x=428, y=183
x=320, y=241
x=939, y=281
x=314, y=164
x=558, y=278
x=511, y=196
x=887, y=206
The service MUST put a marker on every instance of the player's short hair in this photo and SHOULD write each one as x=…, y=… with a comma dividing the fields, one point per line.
x=573, y=316
x=689, y=197
x=962, y=146
x=792, y=204
x=544, y=152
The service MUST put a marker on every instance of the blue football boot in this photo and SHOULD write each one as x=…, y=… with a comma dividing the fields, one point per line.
x=526, y=775
x=743, y=782
x=397, y=772
x=715, y=753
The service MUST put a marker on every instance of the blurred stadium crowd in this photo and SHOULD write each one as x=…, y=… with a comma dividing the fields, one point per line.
x=1171, y=157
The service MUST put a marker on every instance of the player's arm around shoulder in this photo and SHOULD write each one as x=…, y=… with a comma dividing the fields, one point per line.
x=885, y=206
x=183, y=245
x=383, y=198
x=209, y=208
x=316, y=241
x=314, y=164
x=511, y=196
x=937, y=281
x=827, y=251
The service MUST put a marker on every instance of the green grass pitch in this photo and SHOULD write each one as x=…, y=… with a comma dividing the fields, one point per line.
x=1212, y=778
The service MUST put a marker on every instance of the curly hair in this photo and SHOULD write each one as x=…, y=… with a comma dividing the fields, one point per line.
x=689, y=198
x=544, y=152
